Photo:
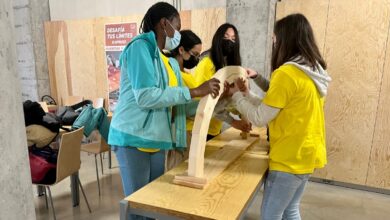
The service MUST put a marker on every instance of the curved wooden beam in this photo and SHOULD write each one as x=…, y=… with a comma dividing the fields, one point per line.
x=203, y=116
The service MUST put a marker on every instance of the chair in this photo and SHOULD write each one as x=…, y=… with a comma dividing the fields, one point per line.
x=98, y=102
x=44, y=106
x=98, y=145
x=71, y=100
x=68, y=162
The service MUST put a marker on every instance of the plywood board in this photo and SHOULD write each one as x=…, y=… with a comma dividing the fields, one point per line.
x=205, y=22
x=185, y=17
x=378, y=174
x=316, y=11
x=56, y=47
x=82, y=62
x=354, y=49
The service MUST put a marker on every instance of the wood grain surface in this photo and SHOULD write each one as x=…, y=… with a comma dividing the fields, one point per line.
x=224, y=198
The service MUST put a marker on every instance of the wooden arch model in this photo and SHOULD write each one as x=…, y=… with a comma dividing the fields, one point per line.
x=195, y=174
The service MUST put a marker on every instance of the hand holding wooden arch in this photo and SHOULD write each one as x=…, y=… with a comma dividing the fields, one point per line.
x=204, y=112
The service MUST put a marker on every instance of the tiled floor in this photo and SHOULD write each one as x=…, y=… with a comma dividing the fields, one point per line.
x=320, y=201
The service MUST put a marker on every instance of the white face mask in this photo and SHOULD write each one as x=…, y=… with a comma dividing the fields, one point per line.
x=172, y=43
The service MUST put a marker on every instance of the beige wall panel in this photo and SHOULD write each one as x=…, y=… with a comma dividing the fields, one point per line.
x=354, y=49
x=82, y=57
x=316, y=11
x=185, y=17
x=379, y=168
x=56, y=44
x=205, y=22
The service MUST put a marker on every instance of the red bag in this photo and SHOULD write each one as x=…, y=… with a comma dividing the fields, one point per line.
x=39, y=167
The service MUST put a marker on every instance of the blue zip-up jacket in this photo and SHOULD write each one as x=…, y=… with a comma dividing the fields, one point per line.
x=143, y=115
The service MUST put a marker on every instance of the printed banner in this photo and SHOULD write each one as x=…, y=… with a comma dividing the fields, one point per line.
x=117, y=37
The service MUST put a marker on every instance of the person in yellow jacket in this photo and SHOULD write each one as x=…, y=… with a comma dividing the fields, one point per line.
x=293, y=107
x=224, y=51
x=187, y=55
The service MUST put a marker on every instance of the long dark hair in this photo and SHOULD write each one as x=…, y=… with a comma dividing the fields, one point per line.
x=216, y=50
x=188, y=40
x=154, y=15
x=295, y=38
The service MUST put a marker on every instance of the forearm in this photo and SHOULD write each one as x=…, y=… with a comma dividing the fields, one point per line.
x=153, y=97
x=221, y=113
x=259, y=115
x=262, y=82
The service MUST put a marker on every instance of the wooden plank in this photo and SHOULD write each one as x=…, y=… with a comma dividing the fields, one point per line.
x=378, y=174
x=355, y=47
x=316, y=11
x=204, y=23
x=202, y=120
x=224, y=198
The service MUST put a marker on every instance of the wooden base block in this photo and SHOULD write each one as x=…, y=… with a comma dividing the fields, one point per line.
x=190, y=181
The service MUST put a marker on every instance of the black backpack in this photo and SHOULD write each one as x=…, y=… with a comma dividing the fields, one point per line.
x=68, y=114
x=34, y=114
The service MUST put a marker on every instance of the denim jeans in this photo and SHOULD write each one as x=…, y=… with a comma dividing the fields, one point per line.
x=282, y=196
x=138, y=168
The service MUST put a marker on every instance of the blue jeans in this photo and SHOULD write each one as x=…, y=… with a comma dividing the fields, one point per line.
x=282, y=196
x=138, y=168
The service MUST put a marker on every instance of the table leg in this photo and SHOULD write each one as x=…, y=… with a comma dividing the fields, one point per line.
x=123, y=209
x=41, y=190
x=74, y=187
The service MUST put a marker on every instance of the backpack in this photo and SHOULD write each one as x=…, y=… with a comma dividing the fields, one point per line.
x=68, y=114
x=34, y=114
x=43, y=164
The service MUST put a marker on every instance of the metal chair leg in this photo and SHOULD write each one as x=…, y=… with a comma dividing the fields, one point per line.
x=109, y=159
x=85, y=197
x=47, y=206
x=51, y=201
x=101, y=162
x=97, y=174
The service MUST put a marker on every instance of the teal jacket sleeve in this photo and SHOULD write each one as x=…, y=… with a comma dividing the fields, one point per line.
x=191, y=108
x=144, y=79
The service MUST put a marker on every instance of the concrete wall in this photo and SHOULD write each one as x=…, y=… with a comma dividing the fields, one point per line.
x=85, y=9
x=29, y=16
x=254, y=20
x=16, y=196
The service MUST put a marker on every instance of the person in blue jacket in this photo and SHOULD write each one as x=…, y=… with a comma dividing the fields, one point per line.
x=152, y=98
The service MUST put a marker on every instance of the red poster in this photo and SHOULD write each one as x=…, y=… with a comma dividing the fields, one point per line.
x=117, y=36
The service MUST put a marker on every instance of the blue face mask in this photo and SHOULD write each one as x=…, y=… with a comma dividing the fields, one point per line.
x=172, y=43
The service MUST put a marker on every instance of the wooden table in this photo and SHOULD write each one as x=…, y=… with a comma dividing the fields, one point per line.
x=226, y=197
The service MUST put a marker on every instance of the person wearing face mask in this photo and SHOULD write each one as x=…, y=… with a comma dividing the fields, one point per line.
x=224, y=51
x=187, y=55
x=150, y=115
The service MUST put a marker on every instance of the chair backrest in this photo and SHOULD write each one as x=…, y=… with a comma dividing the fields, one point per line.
x=68, y=161
x=44, y=106
x=71, y=100
x=98, y=102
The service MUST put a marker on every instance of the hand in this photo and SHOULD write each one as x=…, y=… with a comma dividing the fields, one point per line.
x=209, y=87
x=240, y=82
x=251, y=73
x=242, y=125
x=225, y=93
